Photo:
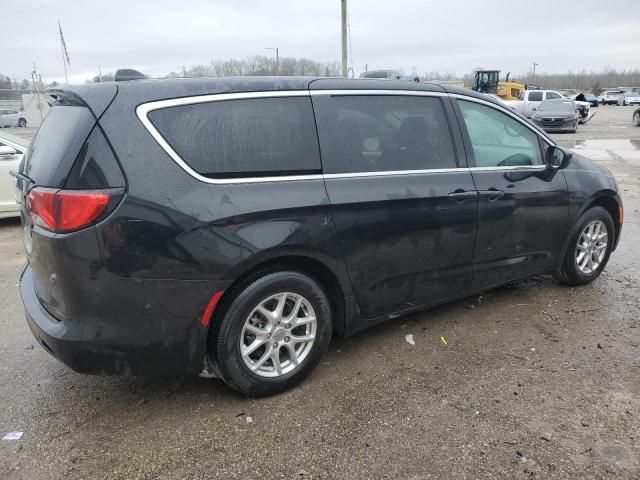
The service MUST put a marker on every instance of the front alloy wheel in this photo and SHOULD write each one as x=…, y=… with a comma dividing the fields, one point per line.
x=589, y=247
x=592, y=246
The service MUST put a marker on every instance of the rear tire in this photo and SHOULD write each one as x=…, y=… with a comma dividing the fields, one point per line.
x=262, y=315
x=22, y=122
x=589, y=248
x=636, y=119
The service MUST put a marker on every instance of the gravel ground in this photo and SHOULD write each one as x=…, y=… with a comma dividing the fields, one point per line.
x=538, y=380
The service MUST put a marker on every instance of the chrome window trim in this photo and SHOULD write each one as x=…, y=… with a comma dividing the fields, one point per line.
x=414, y=93
x=514, y=168
x=508, y=111
x=391, y=173
x=143, y=110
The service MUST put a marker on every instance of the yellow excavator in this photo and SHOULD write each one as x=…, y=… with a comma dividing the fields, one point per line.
x=488, y=81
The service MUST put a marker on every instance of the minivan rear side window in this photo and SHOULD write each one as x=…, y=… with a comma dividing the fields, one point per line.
x=378, y=133
x=245, y=137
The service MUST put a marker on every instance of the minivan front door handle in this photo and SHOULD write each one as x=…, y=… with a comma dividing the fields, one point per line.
x=462, y=195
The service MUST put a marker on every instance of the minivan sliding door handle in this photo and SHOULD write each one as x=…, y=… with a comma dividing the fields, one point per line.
x=462, y=195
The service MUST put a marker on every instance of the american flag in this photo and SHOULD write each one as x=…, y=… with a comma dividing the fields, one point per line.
x=64, y=45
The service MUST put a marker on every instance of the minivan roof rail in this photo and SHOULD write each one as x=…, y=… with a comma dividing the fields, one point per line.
x=124, y=74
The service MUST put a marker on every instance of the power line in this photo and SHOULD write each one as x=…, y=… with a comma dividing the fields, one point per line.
x=50, y=5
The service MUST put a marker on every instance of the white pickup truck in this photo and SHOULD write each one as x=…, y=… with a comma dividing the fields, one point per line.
x=530, y=99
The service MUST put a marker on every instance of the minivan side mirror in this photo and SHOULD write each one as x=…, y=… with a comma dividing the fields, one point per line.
x=7, y=151
x=556, y=157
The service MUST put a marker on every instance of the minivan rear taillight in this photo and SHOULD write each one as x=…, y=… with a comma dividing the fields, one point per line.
x=67, y=210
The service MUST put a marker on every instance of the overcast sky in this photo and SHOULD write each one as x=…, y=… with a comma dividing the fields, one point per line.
x=445, y=35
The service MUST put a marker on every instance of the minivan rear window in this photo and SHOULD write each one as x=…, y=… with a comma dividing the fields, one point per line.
x=246, y=137
x=57, y=143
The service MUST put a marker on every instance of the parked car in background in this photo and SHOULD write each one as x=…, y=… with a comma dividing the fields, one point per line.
x=557, y=116
x=636, y=117
x=393, y=74
x=610, y=97
x=629, y=98
x=587, y=97
x=12, y=150
x=530, y=99
x=243, y=253
x=12, y=118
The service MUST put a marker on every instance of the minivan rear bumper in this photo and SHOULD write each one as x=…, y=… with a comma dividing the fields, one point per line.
x=81, y=345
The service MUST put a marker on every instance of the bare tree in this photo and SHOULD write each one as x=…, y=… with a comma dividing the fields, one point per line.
x=262, y=65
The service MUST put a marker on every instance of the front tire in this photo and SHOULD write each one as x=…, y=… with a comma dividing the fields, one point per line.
x=272, y=333
x=589, y=248
x=22, y=122
x=636, y=119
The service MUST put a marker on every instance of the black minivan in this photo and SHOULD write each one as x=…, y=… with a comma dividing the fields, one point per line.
x=229, y=227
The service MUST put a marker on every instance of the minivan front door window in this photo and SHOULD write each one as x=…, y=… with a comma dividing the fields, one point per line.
x=497, y=139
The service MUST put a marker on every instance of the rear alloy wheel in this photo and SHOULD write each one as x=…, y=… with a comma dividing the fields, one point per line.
x=272, y=333
x=589, y=248
x=636, y=119
x=278, y=334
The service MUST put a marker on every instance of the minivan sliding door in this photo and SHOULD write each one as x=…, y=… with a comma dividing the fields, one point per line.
x=404, y=211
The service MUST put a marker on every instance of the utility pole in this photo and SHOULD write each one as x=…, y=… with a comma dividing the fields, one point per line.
x=184, y=72
x=534, y=68
x=99, y=74
x=277, y=58
x=343, y=4
x=34, y=76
